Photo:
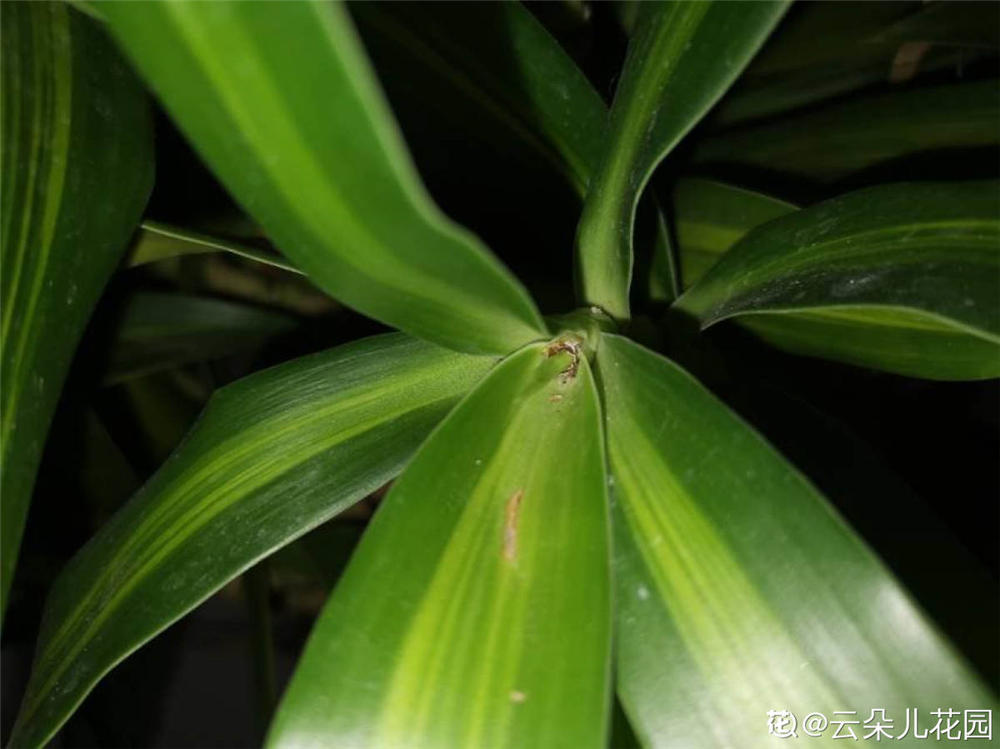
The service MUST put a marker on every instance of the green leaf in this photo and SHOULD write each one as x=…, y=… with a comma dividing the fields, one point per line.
x=476, y=611
x=158, y=241
x=494, y=63
x=842, y=138
x=77, y=169
x=507, y=69
x=738, y=588
x=272, y=456
x=710, y=217
x=279, y=100
x=899, y=277
x=681, y=60
x=160, y=331
x=828, y=49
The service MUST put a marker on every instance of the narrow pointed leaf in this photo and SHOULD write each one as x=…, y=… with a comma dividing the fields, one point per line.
x=77, y=169
x=681, y=60
x=280, y=101
x=476, y=610
x=271, y=457
x=901, y=277
x=839, y=139
x=738, y=588
x=158, y=241
x=160, y=331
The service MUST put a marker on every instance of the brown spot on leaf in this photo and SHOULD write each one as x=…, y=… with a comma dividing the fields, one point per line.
x=511, y=514
x=570, y=347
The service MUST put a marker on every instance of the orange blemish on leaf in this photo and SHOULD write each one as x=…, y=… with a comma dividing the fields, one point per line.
x=511, y=513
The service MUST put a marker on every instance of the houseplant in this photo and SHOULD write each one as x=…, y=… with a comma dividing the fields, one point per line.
x=574, y=513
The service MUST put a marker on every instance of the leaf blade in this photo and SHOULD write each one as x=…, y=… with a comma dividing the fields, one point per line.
x=300, y=134
x=913, y=268
x=160, y=331
x=740, y=589
x=77, y=171
x=843, y=138
x=680, y=62
x=471, y=550
x=325, y=431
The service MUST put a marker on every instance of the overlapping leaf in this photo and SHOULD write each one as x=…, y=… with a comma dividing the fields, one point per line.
x=77, y=168
x=476, y=610
x=680, y=61
x=271, y=457
x=839, y=139
x=710, y=217
x=901, y=277
x=829, y=49
x=279, y=100
x=157, y=241
x=738, y=589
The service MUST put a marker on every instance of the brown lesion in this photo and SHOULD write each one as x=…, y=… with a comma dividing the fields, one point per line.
x=568, y=346
x=511, y=515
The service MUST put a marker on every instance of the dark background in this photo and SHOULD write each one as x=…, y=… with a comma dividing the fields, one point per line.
x=912, y=464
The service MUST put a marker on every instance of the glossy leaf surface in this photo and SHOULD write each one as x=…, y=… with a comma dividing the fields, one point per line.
x=680, y=61
x=902, y=277
x=279, y=100
x=476, y=610
x=272, y=456
x=738, y=589
x=845, y=137
x=77, y=169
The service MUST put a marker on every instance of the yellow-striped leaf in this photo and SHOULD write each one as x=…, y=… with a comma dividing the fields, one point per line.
x=738, y=589
x=680, y=61
x=77, y=169
x=271, y=457
x=280, y=101
x=476, y=610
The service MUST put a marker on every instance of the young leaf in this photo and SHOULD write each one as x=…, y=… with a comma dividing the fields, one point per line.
x=279, y=100
x=271, y=457
x=738, y=589
x=681, y=60
x=842, y=138
x=77, y=169
x=900, y=277
x=476, y=610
